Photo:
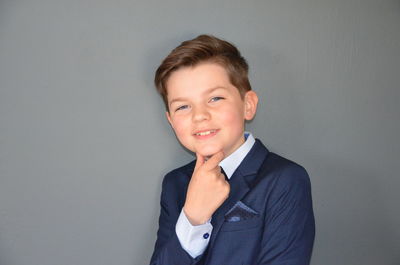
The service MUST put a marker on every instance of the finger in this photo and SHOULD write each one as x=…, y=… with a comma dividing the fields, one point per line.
x=199, y=161
x=221, y=174
x=214, y=160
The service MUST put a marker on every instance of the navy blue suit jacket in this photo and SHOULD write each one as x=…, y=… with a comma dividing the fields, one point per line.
x=282, y=231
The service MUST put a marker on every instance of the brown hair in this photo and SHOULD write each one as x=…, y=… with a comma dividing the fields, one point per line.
x=204, y=48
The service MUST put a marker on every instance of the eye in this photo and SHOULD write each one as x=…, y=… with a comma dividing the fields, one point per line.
x=182, y=107
x=214, y=99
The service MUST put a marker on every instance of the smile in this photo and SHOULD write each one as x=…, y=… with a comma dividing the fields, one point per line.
x=204, y=134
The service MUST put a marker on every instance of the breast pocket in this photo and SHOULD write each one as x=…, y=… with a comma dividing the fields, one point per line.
x=248, y=224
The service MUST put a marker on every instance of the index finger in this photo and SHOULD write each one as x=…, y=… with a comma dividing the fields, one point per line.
x=199, y=161
x=214, y=160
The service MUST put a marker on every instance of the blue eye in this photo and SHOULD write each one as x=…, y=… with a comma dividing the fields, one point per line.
x=182, y=107
x=216, y=99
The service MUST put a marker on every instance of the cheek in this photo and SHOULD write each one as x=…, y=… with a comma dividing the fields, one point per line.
x=179, y=126
x=232, y=117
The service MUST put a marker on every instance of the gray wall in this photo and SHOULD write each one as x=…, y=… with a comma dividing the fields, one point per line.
x=84, y=143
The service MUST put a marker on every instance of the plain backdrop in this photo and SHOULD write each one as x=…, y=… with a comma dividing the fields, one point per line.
x=84, y=143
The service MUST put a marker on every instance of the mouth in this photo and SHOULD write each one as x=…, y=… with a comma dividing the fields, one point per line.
x=205, y=133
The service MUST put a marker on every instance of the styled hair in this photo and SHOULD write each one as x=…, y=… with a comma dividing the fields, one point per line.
x=204, y=48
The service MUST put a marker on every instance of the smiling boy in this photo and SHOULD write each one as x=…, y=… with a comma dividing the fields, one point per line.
x=237, y=203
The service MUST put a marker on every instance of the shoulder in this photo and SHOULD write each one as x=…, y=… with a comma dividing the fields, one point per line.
x=284, y=168
x=183, y=171
x=178, y=176
x=284, y=175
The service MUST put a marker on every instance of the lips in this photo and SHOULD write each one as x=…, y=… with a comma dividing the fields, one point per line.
x=205, y=133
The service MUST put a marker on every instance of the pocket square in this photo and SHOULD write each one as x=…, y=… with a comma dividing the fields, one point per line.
x=239, y=212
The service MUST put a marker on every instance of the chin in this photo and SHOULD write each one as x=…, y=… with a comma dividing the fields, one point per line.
x=208, y=151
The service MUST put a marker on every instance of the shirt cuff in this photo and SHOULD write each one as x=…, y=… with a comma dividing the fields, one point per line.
x=193, y=239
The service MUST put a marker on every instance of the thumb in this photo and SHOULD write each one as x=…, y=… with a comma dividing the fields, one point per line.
x=199, y=161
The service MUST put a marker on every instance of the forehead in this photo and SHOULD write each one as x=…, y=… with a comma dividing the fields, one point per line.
x=197, y=80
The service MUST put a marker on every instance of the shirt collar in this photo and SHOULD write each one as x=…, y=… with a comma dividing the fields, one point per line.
x=232, y=162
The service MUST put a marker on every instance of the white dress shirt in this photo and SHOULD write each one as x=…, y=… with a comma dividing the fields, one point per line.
x=194, y=239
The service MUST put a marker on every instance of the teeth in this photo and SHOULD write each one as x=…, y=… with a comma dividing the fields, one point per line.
x=205, y=133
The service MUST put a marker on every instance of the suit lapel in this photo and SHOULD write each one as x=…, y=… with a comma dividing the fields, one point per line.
x=238, y=188
x=240, y=182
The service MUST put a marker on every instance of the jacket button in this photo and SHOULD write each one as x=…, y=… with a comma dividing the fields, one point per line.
x=206, y=235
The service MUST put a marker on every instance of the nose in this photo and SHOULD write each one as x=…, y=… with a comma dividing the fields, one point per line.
x=200, y=114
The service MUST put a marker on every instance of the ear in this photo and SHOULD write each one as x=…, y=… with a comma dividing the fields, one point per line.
x=169, y=118
x=250, y=105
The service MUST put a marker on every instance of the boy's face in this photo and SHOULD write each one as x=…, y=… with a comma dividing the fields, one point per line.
x=206, y=111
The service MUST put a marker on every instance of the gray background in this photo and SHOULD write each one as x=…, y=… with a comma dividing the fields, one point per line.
x=84, y=143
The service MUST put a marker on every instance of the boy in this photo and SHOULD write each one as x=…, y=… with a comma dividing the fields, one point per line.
x=237, y=203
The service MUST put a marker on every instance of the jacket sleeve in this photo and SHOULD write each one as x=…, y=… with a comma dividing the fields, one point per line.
x=168, y=249
x=289, y=222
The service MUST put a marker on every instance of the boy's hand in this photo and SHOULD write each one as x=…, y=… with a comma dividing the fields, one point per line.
x=207, y=189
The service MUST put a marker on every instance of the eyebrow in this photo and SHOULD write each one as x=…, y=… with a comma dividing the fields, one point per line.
x=208, y=91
